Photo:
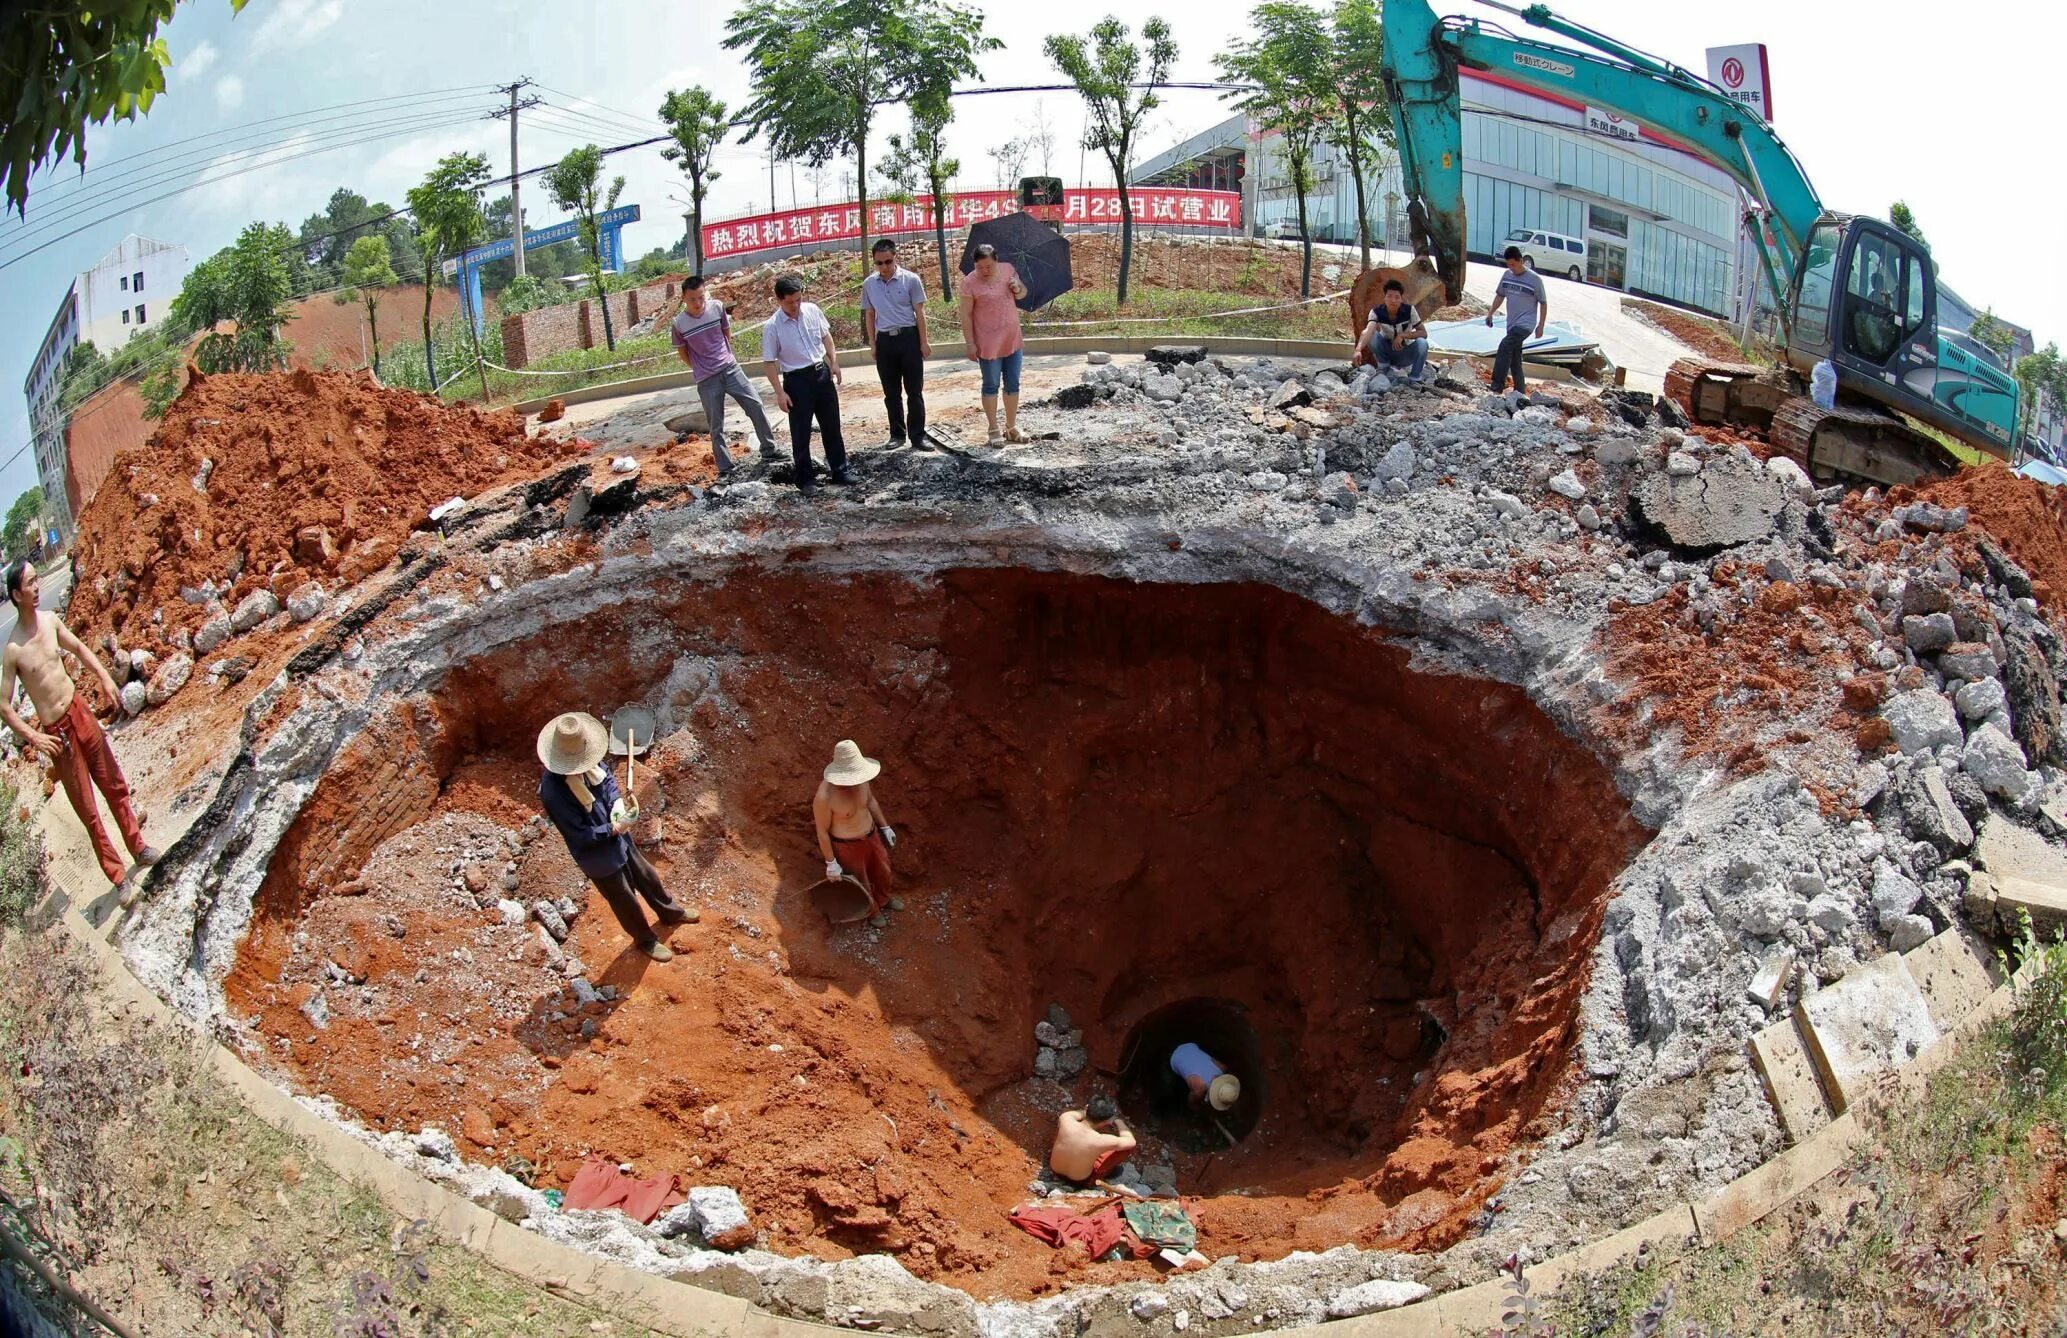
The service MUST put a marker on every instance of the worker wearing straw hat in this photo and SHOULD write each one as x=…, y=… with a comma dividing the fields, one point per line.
x=853, y=834
x=1206, y=1077
x=581, y=797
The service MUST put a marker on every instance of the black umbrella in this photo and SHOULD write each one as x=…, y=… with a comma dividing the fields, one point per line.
x=1038, y=252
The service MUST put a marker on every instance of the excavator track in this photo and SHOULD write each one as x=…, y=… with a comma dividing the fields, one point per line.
x=1724, y=394
x=1854, y=441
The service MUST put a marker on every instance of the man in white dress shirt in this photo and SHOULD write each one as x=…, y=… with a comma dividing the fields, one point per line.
x=798, y=356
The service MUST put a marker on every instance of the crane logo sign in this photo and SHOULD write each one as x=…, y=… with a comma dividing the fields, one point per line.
x=1743, y=76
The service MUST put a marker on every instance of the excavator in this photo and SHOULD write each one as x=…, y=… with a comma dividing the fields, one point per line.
x=1849, y=290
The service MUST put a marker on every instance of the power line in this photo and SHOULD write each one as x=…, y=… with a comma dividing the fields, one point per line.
x=217, y=180
x=642, y=122
x=575, y=122
x=167, y=172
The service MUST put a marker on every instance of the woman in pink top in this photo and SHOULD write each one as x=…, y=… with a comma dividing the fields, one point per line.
x=990, y=331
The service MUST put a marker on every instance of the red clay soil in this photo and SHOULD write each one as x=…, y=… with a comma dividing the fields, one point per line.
x=1705, y=335
x=1114, y=797
x=326, y=333
x=2028, y=518
x=304, y=449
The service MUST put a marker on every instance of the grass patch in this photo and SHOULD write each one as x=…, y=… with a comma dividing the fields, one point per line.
x=173, y=1207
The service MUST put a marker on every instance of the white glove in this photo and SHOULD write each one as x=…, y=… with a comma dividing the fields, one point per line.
x=833, y=869
x=889, y=835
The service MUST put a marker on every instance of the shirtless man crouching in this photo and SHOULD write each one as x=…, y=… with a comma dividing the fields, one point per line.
x=70, y=739
x=1092, y=1143
x=853, y=834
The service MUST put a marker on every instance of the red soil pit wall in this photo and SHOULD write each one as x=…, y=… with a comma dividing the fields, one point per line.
x=1112, y=796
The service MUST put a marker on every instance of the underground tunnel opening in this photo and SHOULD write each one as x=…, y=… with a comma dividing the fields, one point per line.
x=1163, y=1105
x=1214, y=809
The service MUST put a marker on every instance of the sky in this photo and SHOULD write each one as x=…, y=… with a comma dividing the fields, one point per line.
x=1954, y=112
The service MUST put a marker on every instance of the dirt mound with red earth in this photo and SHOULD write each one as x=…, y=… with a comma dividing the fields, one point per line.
x=1124, y=799
x=267, y=481
x=2026, y=517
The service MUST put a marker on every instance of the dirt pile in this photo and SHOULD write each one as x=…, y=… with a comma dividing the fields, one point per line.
x=2026, y=517
x=1114, y=797
x=265, y=482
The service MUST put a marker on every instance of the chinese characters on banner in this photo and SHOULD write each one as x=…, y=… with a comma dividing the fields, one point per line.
x=1153, y=205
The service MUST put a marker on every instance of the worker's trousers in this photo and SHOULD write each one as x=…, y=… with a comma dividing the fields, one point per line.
x=903, y=374
x=867, y=858
x=86, y=761
x=623, y=890
x=1509, y=359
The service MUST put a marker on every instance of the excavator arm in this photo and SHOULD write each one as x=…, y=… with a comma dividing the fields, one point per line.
x=1423, y=57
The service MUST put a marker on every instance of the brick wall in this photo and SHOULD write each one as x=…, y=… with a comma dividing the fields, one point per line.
x=540, y=334
x=104, y=425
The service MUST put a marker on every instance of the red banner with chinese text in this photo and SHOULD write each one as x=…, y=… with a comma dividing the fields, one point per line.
x=1154, y=206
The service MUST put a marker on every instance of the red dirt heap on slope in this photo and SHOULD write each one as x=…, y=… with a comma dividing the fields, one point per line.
x=288, y=451
x=2026, y=517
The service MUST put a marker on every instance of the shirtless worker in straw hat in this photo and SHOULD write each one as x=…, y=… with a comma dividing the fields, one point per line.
x=853, y=834
x=581, y=797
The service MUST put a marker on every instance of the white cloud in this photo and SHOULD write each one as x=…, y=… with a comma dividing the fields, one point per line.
x=229, y=92
x=196, y=62
x=292, y=22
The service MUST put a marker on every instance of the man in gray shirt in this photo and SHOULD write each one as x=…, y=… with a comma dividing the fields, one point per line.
x=1527, y=307
x=893, y=320
x=703, y=339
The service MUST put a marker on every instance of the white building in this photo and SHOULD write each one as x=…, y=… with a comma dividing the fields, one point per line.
x=128, y=291
x=1656, y=219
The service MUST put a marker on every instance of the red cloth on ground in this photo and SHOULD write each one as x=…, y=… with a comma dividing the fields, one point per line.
x=1098, y=1231
x=600, y=1185
x=867, y=858
x=85, y=760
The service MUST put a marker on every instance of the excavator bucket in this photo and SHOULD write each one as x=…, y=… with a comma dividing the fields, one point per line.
x=1424, y=290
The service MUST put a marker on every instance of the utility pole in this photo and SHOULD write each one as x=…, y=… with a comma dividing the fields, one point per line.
x=516, y=204
x=771, y=176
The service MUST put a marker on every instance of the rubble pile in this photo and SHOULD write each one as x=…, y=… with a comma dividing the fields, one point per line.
x=258, y=496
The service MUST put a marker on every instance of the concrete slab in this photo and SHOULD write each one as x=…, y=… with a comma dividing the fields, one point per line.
x=2009, y=849
x=1872, y=1021
x=1956, y=973
x=2044, y=902
x=1796, y=1092
x=1751, y=1196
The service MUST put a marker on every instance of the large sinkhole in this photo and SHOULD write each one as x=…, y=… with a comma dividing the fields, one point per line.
x=1207, y=812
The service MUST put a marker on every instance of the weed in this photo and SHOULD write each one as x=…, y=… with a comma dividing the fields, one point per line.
x=21, y=862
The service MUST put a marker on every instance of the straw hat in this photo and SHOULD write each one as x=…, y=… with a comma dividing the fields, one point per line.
x=573, y=743
x=849, y=767
x=1225, y=1091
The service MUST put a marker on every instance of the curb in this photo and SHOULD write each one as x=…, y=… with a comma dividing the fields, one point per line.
x=1243, y=346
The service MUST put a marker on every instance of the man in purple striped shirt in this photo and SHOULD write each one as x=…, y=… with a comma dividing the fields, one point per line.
x=703, y=340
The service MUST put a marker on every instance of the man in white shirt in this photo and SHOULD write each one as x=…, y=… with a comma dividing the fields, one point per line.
x=893, y=321
x=800, y=362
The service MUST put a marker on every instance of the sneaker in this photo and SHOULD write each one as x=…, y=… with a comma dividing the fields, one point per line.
x=149, y=855
x=897, y=903
x=687, y=915
x=879, y=920
x=658, y=951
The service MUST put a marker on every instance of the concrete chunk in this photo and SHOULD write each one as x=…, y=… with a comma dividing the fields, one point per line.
x=1379, y=1294
x=1871, y=1022
x=1770, y=981
x=1790, y=1077
x=1728, y=502
x=1922, y=721
x=1956, y=972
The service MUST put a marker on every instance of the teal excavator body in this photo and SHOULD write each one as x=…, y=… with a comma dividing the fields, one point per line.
x=1850, y=290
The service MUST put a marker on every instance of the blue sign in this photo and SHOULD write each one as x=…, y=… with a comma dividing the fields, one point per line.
x=608, y=225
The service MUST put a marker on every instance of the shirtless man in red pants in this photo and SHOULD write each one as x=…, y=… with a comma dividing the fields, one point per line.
x=70, y=739
x=853, y=834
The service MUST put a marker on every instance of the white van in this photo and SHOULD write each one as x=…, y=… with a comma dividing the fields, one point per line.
x=1549, y=252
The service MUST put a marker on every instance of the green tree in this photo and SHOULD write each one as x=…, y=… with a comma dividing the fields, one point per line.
x=1105, y=73
x=68, y=64
x=85, y=371
x=2042, y=378
x=699, y=124
x=821, y=68
x=1288, y=63
x=1993, y=333
x=21, y=525
x=576, y=183
x=1361, y=128
x=246, y=284
x=448, y=221
x=368, y=269
x=922, y=157
x=1905, y=222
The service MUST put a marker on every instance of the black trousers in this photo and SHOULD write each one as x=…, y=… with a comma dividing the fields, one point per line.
x=900, y=368
x=812, y=394
x=623, y=890
x=1509, y=359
